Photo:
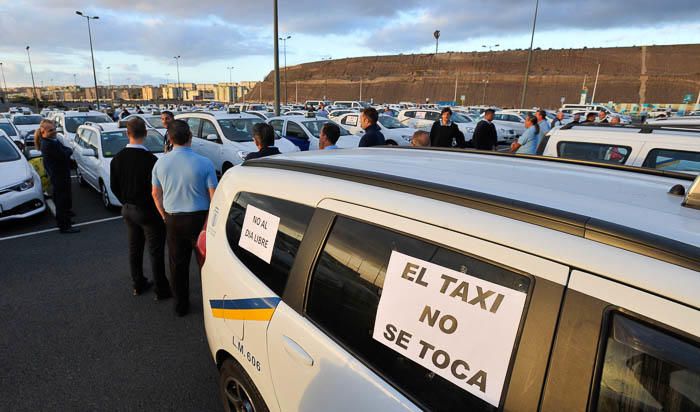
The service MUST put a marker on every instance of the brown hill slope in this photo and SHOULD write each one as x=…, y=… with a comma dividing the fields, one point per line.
x=647, y=74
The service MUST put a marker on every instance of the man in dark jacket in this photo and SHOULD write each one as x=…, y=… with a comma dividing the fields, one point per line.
x=373, y=133
x=57, y=164
x=485, y=135
x=264, y=137
x=130, y=181
x=445, y=132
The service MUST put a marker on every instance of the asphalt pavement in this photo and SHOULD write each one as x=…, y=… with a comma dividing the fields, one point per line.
x=72, y=336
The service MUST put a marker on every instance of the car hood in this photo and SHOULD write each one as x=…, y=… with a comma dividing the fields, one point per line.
x=14, y=172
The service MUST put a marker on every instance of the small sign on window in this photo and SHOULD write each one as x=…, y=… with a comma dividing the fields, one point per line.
x=259, y=232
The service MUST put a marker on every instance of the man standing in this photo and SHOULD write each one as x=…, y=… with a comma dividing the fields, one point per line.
x=264, y=138
x=166, y=117
x=485, y=135
x=130, y=181
x=322, y=112
x=602, y=117
x=558, y=121
x=330, y=133
x=373, y=133
x=577, y=118
x=58, y=165
x=445, y=133
x=183, y=184
x=590, y=118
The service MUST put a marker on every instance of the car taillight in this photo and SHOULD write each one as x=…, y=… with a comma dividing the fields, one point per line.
x=201, y=246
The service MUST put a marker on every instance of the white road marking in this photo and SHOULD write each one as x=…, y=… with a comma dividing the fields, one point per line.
x=55, y=229
x=52, y=206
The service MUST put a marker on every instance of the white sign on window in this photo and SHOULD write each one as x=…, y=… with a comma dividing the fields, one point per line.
x=259, y=232
x=420, y=115
x=456, y=325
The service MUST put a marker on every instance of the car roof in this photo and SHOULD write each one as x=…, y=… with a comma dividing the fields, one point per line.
x=218, y=115
x=622, y=198
x=76, y=113
x=300, y=118
x=630, y=133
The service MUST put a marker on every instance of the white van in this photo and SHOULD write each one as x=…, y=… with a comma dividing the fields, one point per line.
x=350, y=104
x=660, y=148
x=371, y=280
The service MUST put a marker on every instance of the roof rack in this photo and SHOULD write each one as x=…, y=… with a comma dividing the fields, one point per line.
x=644, y=128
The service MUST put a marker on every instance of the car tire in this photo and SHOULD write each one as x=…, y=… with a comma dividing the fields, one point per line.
x=81, y=179
x=105, y=196
x=237, y=391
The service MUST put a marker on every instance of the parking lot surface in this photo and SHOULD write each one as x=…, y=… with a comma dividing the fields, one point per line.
x=73, y=336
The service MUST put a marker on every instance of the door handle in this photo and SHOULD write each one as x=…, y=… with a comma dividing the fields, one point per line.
x=297, y=352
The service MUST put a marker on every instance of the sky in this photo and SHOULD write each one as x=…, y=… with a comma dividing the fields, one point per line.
x=137, y=40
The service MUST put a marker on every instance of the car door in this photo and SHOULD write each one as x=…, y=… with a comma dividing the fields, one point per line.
x=330, y=349
x=296, y=134
x=619, y=348
x=195, y=124
x=278, y=126
x=92, y=163
x=351, y=123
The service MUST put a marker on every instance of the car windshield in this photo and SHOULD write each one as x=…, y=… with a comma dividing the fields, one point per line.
x=114, y=142
x=315, y=126
x=8, y=150
x=238, y=130
x=73, y=122
x=390, y=122
x=7, y=128
x=154, y=121
x=459, y=118
x=26, y=120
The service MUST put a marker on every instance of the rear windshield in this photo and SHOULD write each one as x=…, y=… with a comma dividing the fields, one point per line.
x=7, y=128
x=8, y=150
x=73, y=122
x=114, y=142
x=26, y=120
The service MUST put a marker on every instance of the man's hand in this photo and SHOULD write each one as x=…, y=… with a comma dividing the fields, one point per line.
x=157, y=194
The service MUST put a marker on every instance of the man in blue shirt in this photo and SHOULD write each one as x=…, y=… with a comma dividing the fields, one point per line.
x=330, y=133
x=183, y=184
x=541, y=116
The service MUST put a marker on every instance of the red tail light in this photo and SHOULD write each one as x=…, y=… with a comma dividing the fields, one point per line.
x=201, y=246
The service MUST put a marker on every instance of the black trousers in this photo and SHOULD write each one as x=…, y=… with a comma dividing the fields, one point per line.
x=181, y=233
x=62, y=198
x=146, y=226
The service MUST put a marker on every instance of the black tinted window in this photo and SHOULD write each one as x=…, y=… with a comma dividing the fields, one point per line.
x=344, y=295
x=594, y=152
x=675, y=160
x=294, y=218
x=647, y=369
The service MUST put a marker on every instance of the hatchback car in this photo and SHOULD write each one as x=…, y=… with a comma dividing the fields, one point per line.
x=371, y=280
x=21, y=193
x=423, y=119
x=390, y=127
x=27, y=125
x=304, y=131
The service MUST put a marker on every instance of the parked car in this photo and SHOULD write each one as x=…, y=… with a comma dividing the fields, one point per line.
x=21, y=193
x=650, y=147
x=225, y=137
x=304, y=131
x=374, y=280
x=95, y=146
x=13, y=133
x=27, y=124
x=152, y=121
x=423, y=119
x=67, y=122
x=390, y=127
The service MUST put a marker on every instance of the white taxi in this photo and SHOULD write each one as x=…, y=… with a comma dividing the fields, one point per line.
x=305, y=130
x=390, y=126
x=21, y=194
x=95, y=146
x=67, y=122
x=423, y=119
x=226, y=138
x=371, y=280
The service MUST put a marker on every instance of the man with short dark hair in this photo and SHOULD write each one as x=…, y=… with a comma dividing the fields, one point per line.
x=166, y=117
x=330, y=133
x=373, y=133
x=264, y=138
x=183, y=185
x=602, y=117
x=485, y=134
x=445, y=132
x=130, y=181
x=590, y=118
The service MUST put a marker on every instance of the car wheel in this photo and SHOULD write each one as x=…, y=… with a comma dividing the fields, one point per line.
x=105, y=196
x=238, y=392
x=81, y=178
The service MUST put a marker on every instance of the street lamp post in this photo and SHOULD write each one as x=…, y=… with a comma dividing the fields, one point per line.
x=436, y=34
x=177, y=65
x=284, y=42
x=529, y=56
x=109, y=82
x=483, y=96
x=230, y=71
x=92, y=54
x=277, y=58
x=4, y=89
x=31, y=71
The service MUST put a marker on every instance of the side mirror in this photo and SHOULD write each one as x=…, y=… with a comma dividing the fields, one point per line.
x=212, y=137
x=33, y=154
x=88, y=152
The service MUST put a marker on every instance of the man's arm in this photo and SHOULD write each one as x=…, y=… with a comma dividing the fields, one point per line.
x=157, y=193
x=211, y=193
x=494, y=137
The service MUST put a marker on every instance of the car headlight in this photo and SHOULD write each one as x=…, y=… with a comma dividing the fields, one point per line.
x=242, y=154
x=406, y=138
x=26, y=185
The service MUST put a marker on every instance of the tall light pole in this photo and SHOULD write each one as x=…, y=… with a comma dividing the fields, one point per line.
x=483, y=96
x=284, y=42
x=4, y=88
x=325, y=72
x=177, y=65
x=92, y=54
x=31, y=71
x=230, y=71
x=595, y=85
x=109, y=82
x=277, y=59
x=436, y=34
x=529, y=55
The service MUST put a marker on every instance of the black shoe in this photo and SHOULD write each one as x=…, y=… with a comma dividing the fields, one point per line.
x=162, y=297
x=145, y=286
x=69, y=230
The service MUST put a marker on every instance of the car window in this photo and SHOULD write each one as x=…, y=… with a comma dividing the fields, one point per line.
x=420, y=115
x=647, y=368
x=294, y=130
x=26, y=120
x=208, y=128
x=239, y=129
x=7, y=128
x=315, y=126
x=675, y=160
x=114, y=142
x=350, y=120
x=8, y=150
x=277, y=125
x=91, y=138
x=344, y=295
x=432, y=116
x=410, y=114
x=594, y=152
x=193, y=123
x=73, y=122
x=294, y=218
